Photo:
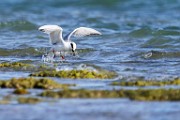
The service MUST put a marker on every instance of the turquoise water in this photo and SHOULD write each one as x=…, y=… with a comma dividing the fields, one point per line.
x=140, y=39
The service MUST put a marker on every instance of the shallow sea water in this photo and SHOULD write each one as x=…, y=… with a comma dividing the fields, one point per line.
x=140, y=39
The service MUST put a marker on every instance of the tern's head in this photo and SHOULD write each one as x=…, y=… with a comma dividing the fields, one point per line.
x=49, y=28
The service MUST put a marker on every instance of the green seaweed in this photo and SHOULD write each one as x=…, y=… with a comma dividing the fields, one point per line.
x=20, y=91
x=26, y=83
x=15, y=65
x=76, y=74
x=139, y=94
x=28, y=100
x=142, y=83
x=21, y=100
x=24, y=66
x=47, y=71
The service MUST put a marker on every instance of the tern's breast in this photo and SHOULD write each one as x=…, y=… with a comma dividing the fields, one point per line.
x=67, y=46
x=58, y=47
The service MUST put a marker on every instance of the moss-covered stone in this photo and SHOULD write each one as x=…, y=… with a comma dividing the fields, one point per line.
x=15, y=65
x=25, y=83
x=142, y=83
x=20, y=91
x=140, y=94
x=43, y=70
x=76, y=74
x=22, y=100
x=25, y=66
x=28, y=100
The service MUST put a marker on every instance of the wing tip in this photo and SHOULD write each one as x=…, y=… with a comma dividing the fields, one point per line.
x=99, y=33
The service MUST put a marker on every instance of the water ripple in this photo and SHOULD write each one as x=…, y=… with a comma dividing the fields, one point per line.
x=18, y=25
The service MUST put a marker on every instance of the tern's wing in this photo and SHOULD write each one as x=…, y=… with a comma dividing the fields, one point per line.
x=54, y=37
x=53, y=31
x=81, y=32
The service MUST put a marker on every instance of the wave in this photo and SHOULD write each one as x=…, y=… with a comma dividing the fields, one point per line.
x=161, y=42
x=18, y=25
x=143, y=32
x=30, y=51
x=160, y=55
x=33, y=52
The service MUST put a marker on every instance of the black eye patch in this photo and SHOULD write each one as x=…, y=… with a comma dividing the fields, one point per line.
x=72, y=46
x=73, y=49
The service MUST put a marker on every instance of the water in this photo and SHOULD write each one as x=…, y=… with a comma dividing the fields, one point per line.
x=94, y=109
x=140, y=39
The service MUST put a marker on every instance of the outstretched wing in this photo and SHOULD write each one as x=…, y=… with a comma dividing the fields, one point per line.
x=53, y=31
x=81, y=32
x=54, y=37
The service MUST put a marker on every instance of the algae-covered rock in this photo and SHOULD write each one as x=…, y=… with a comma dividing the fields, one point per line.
x=15, y=65
x=22, y=100
x=24, y=66
x=142, y=83
x=76, y=74
x=140, y=94
x=20, y=91
x=25, y=83
x=28, y=100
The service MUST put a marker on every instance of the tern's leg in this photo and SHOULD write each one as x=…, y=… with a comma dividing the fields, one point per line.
x=62, y=56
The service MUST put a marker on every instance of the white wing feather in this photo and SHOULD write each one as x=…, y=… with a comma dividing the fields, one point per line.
x=81, y=32
x=53, y=31
x=54, y=37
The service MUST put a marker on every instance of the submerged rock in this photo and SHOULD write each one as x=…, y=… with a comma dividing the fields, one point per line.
x=43, y=70
x=140, y=94
x=28, y=100
x=15, y=65
x=20, y=91
x=76, y=74
x=26, y=83
x=24, y=66
x=10, y=99
x=142, y=83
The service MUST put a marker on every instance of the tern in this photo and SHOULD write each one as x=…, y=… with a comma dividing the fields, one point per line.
x=59, y=42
